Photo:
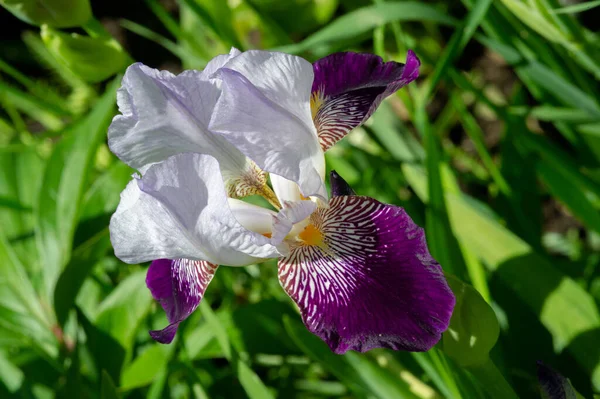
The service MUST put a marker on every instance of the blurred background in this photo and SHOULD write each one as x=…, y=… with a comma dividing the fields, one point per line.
x=495, y=150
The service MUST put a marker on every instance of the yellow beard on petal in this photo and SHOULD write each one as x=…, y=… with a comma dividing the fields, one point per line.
x=311, y=235
x=316, y=101
x=252, y=182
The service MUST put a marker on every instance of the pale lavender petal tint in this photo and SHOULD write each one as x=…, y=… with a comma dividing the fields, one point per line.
x=372, y=283
x=164, y=114
x=264, y=111
x=178, y=285
x=348, y=88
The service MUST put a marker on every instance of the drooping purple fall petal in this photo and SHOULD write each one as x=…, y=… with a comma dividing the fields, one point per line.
x=178, y=285
x=348, y=88
x=364, y=279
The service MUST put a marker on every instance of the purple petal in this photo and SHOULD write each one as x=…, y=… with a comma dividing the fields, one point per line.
x=348, y=88
x=552, y=384
x=363, y=278
x=339, y=185
x=178, y=285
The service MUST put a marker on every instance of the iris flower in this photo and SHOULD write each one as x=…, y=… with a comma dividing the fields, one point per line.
x=358, y=270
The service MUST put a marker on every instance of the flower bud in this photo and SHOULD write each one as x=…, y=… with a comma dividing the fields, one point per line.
x=55, y=13
x=473, y=329
x=91, y=58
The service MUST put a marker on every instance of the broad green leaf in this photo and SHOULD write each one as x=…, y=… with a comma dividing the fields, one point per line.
x=297, y=16
x=440, y=239
x=93, y=59
x=146, y=367
x=83, y=259
x=251, y=382
x=358, y=373
x=106, y=352
x=563, y=307
x=380, y=382
x=16, y=290
x=59, y=13
x=215, y=16
x=108, y=390
x=64, y=184
x=363, y=20
x=10, y=375
x=121, y=313
x=103, y=196
x=219, y=331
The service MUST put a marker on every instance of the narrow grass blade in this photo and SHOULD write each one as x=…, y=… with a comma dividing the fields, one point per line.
x=355, y=23
x=577, y=8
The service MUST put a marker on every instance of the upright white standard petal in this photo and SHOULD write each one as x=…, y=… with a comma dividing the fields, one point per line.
x=163, y=114
x=264, y=111
x=179, y=209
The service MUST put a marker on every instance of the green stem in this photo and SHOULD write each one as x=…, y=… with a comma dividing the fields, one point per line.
x=492, y=380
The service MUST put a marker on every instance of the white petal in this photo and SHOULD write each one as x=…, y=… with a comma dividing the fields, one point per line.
x=286, y=190
x=164, y=115
x=179, y=209
x=284, y=79
x=252, y=217
x=292, y=213
x=219, y=61
x=264, y=111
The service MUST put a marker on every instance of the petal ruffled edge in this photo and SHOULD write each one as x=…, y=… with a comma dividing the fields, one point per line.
x=264, y=111
x=348, y=88
x=179, y=209
x=179, y=286
x=370, y=282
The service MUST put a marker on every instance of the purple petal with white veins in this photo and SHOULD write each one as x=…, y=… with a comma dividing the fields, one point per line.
x=348, y=88
x=364, y=279
x=178, y=285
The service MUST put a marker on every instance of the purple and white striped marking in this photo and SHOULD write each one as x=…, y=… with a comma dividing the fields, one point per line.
x=178, y=285
x=348, y=88
x=372, y=283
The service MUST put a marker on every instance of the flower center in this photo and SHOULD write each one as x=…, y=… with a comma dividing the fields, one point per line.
x=311, y=235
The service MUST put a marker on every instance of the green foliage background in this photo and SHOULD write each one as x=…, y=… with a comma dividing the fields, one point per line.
x=495, y=150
